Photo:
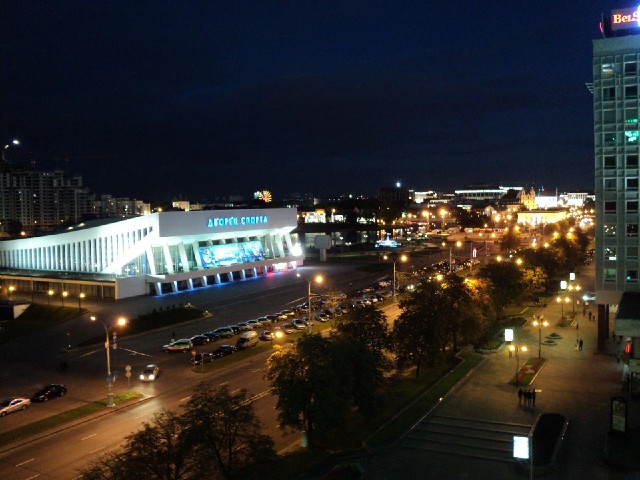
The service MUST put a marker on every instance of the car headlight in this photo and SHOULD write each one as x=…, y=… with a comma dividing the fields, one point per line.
x=152, y=377
x=141, y=377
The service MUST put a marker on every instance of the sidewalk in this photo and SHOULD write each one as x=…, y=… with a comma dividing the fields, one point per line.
x=578, y=384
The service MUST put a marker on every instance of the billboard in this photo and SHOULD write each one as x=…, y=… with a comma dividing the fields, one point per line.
x=625, y=18
x=231, y=253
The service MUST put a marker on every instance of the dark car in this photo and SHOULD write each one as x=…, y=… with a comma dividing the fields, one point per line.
x=199, y=340
x=202, y=357
x=50, y=391
x=223, y=351
x=212, y=336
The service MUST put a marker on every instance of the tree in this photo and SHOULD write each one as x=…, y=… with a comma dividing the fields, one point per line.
x=314, y=383
x=510, y=240
x=157, y=451
x=506, y=286
x=224, y=431
x=420, y=330
x=535, y=282
x=366, y=325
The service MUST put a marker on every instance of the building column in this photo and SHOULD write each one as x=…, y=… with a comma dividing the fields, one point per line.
x=167, y=258
x=603, y=325
x=183, y=257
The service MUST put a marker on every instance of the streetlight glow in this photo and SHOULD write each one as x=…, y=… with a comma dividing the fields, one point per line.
x=120, y=322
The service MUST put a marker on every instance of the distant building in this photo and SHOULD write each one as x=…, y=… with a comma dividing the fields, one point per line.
x=40, y=201
x=109, y=206
x=547, y=199
x=528, y=199
x=400, y=197
x=484, y=192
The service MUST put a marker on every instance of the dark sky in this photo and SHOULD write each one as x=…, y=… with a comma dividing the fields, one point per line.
x=160, y=99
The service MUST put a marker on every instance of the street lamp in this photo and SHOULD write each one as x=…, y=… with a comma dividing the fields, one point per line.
x=443, y=214
x=120, y=322
x=517, y=349
x=562, y=301
x=573, y=288
x=403, y=258
x=318, y=279
x=539, y=322
x=11, y=289
x=64, y=295
x=50, y=294
x=80, y=297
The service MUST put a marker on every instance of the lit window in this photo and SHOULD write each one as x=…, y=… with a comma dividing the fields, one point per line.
x=609, y=274
x=631, y=136
x=607, y=70
x=610, y=253
x=609, y=230
x=631, y=116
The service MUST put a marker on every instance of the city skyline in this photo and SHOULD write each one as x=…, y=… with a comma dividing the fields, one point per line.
x=156, y=100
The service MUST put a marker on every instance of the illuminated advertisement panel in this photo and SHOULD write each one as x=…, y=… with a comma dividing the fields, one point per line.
x=625, y=18
x=231, y=254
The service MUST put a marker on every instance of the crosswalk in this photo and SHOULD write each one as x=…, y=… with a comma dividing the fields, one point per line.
x=465, y=437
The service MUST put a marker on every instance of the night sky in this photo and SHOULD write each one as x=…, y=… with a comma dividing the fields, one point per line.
x=162, y=99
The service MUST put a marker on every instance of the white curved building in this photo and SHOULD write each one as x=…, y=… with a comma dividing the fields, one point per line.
x=157, y=253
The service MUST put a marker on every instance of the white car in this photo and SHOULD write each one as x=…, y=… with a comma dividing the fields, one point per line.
x=150, y=373
x=182, y=345
x=13, y=404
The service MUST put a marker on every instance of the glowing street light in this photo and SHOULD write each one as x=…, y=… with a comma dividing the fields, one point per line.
x=517, y=349
x=50, y=294
x=80, y=297
x=121, y=322
x=64, y=295
x=539, y=322
x=317, y=279
x=403, y=258
x=11, y=290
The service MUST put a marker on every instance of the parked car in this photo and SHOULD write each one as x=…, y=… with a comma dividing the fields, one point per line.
x=150, y=373
x=247, y=340
x=298, y=324
x=223, y=351
x=263, y=321
x=266, y=335
x=212, y=336
x=224, y=332
x=243, y=326
x=199, y=340
x=182, y=345
x=288, y=328
x=50, y=391
x=235, y=329
x=199, y=358
x=13, y=404
x=253, y=324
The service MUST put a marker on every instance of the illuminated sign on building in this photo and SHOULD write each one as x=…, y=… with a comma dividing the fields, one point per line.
x=625, y=18
x=231, y=254
x=235, y=221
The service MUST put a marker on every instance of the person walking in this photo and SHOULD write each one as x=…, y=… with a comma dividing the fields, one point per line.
x=577, y=325
x=580, y=345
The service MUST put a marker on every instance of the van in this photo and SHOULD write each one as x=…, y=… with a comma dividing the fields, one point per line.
x=247, y=340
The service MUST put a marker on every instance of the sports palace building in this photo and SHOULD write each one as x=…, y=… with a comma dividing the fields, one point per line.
x=156, y=254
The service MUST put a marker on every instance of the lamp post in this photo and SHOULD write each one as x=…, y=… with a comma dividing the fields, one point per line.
x=538, y=321
x=516, y=349
x=562, y=301
x=64, y=295
x=403, y=258
x=80, y=297
x=318, y=279
x=11, y=289
x=49, y=295
x=573, y=289
x=120, y=322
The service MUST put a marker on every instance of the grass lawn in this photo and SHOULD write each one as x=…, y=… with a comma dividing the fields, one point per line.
x=63, y=418
x=35, y=318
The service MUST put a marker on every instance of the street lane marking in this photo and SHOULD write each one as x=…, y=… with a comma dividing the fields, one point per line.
x=185, y=399
x=25, y=462
x=90, y=436
x=34, y=476
x=223, y=384
x=96, y=450
x=140, y=416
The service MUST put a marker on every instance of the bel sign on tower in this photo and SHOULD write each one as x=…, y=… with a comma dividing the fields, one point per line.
x=625, y=18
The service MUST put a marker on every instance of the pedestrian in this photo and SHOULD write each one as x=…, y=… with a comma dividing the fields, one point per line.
x=580, y=345
x=577, y=325
x=519, y=396
x=577, y=344
x=533, y=397
x=619, y=356
x=527, y=397
x=590, y=316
